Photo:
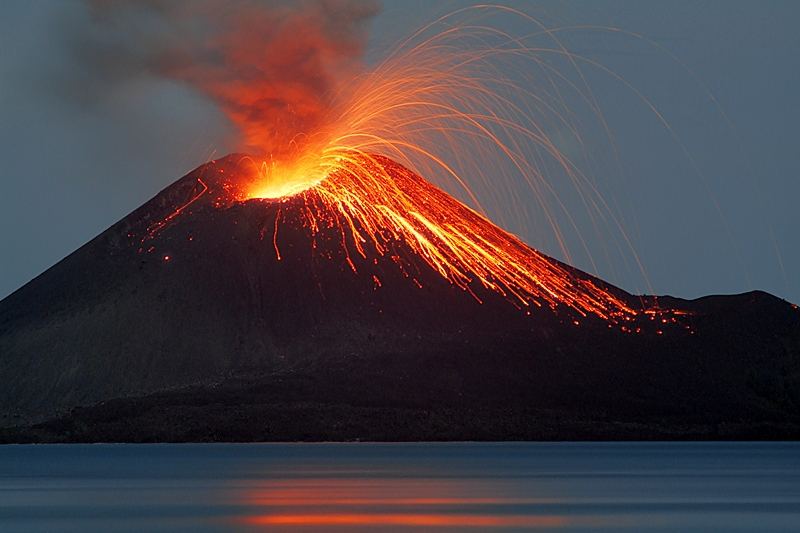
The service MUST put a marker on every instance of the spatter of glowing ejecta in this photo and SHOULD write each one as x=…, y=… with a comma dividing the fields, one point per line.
x=376, y=202
x=443, y=107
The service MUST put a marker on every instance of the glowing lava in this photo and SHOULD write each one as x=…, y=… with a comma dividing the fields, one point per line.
x=440, y=108
x=277, y=180
x=436, y=108
x=376, y=202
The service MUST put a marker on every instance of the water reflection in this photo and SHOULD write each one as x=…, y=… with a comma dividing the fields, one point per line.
x=589, y=487
x=408, y=519
x=422, y=503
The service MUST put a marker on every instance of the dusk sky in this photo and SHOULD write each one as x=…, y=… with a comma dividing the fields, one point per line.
x=710, y=209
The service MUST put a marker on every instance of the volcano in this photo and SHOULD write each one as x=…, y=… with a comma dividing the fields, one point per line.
x=210, y=315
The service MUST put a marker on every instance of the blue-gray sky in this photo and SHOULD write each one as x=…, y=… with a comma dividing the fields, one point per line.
x=721, y=218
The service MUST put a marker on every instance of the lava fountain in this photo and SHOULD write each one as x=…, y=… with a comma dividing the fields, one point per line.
x=440, y=106
x=375, y=201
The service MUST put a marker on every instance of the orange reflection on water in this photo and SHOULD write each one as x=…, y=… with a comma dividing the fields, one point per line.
x=408, y=519
x=399, y=502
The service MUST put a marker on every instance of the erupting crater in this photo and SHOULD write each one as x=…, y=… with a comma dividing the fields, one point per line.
x=368, y=305
x=380, y=210
x=275, y=180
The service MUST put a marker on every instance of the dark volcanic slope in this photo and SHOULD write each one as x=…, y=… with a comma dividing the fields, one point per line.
x=179, y=322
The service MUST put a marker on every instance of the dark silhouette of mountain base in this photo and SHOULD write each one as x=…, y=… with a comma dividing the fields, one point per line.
x=180, y=323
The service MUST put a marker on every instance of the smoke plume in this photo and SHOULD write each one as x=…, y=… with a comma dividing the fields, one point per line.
x=270, y=66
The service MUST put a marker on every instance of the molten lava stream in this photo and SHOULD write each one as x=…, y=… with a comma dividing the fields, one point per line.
x=375, y=201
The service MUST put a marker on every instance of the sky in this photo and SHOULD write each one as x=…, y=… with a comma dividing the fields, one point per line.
x=708, y=196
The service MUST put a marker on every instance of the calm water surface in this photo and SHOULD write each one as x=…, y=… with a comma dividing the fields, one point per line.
x=401, y=487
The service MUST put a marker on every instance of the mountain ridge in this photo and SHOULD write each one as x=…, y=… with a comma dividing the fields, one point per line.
x=184, y=302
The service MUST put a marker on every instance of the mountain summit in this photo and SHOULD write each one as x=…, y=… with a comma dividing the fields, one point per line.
x=333, y=314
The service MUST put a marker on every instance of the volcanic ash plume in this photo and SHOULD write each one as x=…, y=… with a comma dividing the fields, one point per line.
x=271, y=66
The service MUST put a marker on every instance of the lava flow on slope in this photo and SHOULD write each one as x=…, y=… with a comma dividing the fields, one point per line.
x=381, y=210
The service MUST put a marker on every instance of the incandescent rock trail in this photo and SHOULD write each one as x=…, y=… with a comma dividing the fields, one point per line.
x=204, y=315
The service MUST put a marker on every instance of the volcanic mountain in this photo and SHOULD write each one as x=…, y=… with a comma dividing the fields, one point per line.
x=324, y=315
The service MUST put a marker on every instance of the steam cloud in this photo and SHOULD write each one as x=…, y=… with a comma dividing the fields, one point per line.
x=270, y=66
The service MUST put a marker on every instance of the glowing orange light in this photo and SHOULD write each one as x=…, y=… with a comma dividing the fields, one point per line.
x=280, y=180
x=375, y=201
x=358, y=169
x=385, y=502
x=440, y=111
x=409, y=519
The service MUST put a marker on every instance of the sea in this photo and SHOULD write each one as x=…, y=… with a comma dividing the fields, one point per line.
x=562, y=486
